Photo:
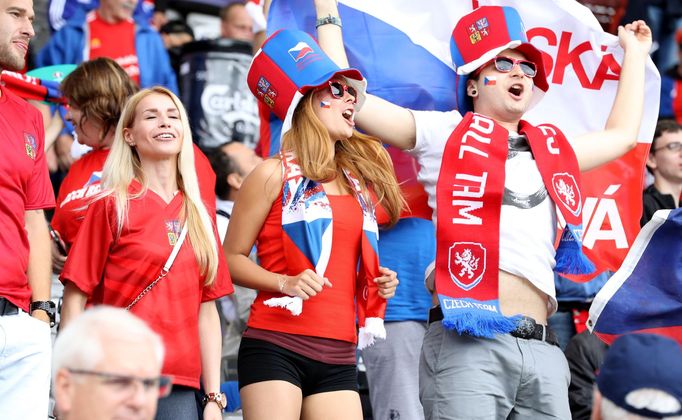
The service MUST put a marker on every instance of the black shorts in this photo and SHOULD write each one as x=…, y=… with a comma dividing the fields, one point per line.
x=260, y=361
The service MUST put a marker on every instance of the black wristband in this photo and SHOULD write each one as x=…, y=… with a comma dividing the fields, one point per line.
x=45, y=305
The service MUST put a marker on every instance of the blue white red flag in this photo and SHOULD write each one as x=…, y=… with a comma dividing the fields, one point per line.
x=402, y=48
x=645, y=295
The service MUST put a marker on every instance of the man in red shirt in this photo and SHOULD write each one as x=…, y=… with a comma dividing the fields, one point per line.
x=25, y=190
x=110, y=31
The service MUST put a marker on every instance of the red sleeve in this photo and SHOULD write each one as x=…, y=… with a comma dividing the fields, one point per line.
x=39, y=193
x=66, y=221
x=89, y=254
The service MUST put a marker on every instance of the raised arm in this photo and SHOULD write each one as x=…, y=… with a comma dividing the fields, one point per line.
x=393, y=124
x=622, y=127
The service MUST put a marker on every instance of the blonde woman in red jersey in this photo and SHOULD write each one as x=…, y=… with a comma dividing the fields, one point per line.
x=303, y=366
x=96, y=92
x=150, y=193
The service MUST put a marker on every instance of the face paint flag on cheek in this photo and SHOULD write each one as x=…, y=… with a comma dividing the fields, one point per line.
x=325, y=104
x=489, y=80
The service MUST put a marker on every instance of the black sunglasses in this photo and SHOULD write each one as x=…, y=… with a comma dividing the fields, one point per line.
x=338, y=89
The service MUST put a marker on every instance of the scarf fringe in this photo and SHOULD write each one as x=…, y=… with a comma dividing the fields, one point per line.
x=291, y=304
x=373, y=329
x=570, y=258
x=479, y=323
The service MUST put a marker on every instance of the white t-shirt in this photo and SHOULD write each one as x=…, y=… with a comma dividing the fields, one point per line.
x=222, y=221
x=528, y=216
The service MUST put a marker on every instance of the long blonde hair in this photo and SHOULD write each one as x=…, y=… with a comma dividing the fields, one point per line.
x=123, y=165
x=321, y=159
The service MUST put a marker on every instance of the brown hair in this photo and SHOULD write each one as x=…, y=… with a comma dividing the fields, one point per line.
x=100, y=88
x=321, y=159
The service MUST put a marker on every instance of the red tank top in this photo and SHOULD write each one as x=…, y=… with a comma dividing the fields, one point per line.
x=330, y=314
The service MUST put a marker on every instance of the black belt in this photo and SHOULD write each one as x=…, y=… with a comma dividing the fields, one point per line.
x=569, y=306
x=7, y=307
x=526, y=328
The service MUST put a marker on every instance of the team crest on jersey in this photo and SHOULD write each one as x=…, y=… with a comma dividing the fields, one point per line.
x=173, y=231
x=30, y=145
x=566, y=188
x=466, y=263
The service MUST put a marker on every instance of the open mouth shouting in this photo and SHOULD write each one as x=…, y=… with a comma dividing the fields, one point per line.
x=349, y=115
x=516, y=90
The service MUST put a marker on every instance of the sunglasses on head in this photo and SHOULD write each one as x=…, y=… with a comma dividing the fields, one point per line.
x=506, y=64
x=338, y=89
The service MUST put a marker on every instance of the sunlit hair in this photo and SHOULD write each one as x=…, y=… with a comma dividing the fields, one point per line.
x=123, y=165
x=100, y=88
x=321, y=159
x=81, y=344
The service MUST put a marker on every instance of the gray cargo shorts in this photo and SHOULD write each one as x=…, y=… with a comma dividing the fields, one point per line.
x=465, y=377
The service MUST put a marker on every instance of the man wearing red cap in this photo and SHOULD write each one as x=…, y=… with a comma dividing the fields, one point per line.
x=497, y=183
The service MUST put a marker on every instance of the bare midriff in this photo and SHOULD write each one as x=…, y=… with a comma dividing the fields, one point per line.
x=519, y=297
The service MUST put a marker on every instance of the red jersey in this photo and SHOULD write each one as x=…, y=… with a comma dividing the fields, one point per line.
x=24, y=185
x=677, y=100
x=330, y=314
x=113, y=270
x=82, y=183
x=114, y=40
x=79, y=187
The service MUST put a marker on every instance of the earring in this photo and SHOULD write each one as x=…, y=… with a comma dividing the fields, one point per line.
x=474, y=92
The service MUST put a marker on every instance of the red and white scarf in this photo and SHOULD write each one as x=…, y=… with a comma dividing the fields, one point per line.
x=469, y=196
x=307, y=223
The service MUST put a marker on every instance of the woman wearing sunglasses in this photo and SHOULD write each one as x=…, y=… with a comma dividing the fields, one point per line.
x=148, y=244
x=496, y=184
x=310, y=211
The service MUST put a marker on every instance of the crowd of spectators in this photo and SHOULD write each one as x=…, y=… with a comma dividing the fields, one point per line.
x=99, y=140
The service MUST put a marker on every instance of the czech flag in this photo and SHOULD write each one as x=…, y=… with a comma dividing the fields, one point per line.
x=645, y=295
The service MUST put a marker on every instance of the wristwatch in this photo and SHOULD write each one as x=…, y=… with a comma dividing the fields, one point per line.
x=217, y=397
x=46, y=305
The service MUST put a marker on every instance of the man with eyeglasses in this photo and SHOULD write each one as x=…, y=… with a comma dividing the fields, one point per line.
x=496, y=184
x=665, y=164
x=107, y=365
